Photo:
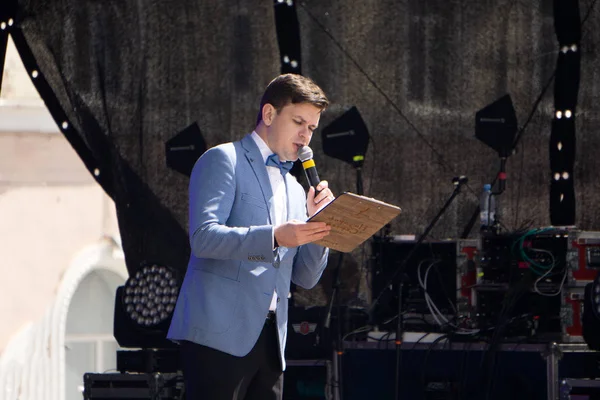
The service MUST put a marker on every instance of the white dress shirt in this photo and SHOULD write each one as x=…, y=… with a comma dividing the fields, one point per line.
x=279, y=194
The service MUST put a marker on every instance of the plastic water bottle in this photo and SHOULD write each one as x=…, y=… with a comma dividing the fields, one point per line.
x=487, y=208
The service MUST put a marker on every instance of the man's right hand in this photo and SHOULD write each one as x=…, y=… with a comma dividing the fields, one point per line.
x=296, y=233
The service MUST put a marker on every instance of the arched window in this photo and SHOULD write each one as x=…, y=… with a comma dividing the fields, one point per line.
x=89, y=342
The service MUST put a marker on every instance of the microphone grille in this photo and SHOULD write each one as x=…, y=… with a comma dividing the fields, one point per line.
x=305, y=153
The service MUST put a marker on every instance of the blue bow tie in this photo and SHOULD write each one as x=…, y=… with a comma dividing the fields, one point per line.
x=284, y=167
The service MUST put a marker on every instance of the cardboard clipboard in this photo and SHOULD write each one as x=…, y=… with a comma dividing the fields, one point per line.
x=353, y=219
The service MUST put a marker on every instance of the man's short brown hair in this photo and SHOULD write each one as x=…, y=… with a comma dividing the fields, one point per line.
x=292, y=88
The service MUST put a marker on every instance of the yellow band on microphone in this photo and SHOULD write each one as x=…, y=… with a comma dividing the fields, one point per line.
x=308, y=163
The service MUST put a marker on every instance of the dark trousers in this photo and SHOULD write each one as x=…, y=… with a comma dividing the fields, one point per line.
x=210, y=374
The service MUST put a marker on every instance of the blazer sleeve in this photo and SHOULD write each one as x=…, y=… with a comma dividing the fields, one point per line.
x=309, y=265
x=211, y=195
x=311, y=259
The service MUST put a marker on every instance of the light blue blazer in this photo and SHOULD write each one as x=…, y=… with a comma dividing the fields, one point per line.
x=233, y=269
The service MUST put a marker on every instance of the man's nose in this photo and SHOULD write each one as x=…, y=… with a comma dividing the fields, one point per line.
x=305, y=133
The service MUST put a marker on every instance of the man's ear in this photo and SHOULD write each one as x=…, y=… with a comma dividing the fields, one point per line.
x=268, y=112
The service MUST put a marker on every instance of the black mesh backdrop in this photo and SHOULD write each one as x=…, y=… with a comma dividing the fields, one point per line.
x=132, y=74
x=440, y=62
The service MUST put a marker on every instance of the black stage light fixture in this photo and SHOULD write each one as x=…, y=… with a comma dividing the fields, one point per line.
x=347, y=138
x=567, y=24
x=591, y=314
x=562, y=161
x=288, y=36
x=496, y=125
x=184, y=149
x=567, y=21
x=144, y=307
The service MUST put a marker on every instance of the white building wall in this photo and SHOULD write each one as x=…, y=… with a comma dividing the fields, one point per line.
x=33, y=367
x=50, y=209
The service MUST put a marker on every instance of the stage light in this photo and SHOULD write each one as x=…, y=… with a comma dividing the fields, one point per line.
x=150, y=296
x=595, y=296
x=183, y=150
x=567, y=22
x=144, y=307
x=496, y=125
x=347, y=138
x=591, y=314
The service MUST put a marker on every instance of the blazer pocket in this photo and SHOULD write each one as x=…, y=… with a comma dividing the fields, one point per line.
x=216, y=303
x=224, y=269
x=249, y=199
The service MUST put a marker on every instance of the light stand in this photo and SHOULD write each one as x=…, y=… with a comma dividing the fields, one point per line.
x=501, y=178
x=338, y=344
x=346, y=138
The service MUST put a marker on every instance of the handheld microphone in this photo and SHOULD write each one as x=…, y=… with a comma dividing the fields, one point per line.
x=305, y=154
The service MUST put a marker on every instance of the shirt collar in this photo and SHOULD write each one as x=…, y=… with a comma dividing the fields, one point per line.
x=265, y=151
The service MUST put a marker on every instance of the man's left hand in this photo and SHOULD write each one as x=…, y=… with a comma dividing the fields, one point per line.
x=325, y=197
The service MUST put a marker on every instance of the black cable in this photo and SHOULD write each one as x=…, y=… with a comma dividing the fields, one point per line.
x=587, y=15
x=382, y=233
x=489, y=358
x=462, y=374
x=419, y=340
x=374, y=164
x=533, y=111
x=383, y=339
x=496, y=366
x=443, y=288
x=424, y=368
x=519, y=180
x=404, y=262
x=363, y=263
x=417, y=319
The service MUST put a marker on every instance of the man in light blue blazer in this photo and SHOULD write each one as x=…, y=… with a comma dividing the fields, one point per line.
x=250, y=239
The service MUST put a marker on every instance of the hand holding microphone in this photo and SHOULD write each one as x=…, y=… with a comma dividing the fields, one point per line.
x=322, y=194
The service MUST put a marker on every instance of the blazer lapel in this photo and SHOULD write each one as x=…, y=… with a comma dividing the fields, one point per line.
x=260, y=170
